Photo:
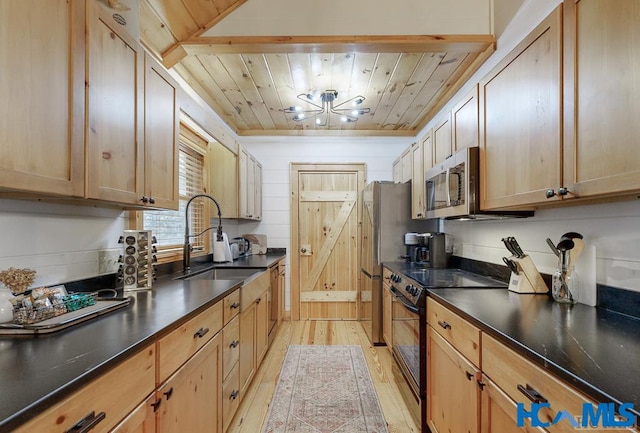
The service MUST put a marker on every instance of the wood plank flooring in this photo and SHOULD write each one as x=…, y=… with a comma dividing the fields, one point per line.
x=254, y=408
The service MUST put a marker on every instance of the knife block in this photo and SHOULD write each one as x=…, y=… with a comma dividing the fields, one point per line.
x=527, y=279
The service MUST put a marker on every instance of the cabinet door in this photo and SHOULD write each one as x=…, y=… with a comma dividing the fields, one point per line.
x=114, y=142
x=257, y=188
x=262, y=327
x=247, y=361
x=427, y=151
x=442, y=139
x=161, y=127
x=387, y=308
x=251, y=187
x=450, y=376
x=191, y=398
x=407, y=165
x=602, y=64
x=520, y=127
x=42, y=102
x=223, y=178
x=499, y=412
x=243, y=188
x=397, y=170
x=141, y=420
x=464, y=121
x=418, y=210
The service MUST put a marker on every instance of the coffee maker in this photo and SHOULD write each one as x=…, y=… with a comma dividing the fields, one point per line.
x=426, y=249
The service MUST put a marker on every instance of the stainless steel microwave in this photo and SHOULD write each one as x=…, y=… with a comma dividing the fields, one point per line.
x=453, y=189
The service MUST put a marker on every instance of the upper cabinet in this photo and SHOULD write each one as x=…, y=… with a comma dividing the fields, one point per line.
x=236, y=182
x=42, y=103
x=85, y=111
x=161, y=131
x=441, y=139
x=418, y=210
x=521, y=121
x=115, y=112
x=601, y=88
x=464, y=121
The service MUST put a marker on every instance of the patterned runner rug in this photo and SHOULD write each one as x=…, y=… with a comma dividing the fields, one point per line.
x=325, y=389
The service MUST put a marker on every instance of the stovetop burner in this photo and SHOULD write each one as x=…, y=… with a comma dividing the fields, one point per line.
x=451, y=278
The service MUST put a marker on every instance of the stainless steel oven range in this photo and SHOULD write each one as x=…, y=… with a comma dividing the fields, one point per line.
x=409, y=327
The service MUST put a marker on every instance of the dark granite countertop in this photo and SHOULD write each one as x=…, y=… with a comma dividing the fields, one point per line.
x=36, y=372
x=595, y=350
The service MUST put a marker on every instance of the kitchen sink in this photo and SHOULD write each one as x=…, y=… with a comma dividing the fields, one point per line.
x=226, y=274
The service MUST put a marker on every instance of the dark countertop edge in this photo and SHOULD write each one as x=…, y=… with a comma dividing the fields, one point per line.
x=533, y=356
x=45, y=402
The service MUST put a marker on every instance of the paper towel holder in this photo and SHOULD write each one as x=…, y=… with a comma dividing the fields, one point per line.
x=186, y=250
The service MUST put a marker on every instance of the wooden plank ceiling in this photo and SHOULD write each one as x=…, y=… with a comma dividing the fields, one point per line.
x=249, y=81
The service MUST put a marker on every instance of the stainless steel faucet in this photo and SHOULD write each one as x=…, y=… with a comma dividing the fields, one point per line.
x=186, y=250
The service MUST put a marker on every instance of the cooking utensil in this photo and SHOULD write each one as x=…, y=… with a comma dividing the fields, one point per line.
x=553, y=247
x=578, y=245
x=511, y=265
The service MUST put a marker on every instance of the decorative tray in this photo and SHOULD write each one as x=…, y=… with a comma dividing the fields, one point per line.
x=65, y=320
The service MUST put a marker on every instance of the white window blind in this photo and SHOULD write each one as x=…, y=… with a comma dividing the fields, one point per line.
x=169, y=226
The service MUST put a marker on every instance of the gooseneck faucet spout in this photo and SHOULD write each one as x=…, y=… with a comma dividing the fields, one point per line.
x=186, y=251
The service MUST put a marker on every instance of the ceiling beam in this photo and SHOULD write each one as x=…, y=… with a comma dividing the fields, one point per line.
x=327, y=44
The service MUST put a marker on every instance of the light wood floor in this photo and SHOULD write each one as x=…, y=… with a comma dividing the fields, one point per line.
x=254, y=408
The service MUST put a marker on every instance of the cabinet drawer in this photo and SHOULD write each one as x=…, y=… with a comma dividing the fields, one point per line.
x=461, y=334
x=175, y=348
x=231, y=306
x=134, y=380
x=386, y=275
x=230, y=396
x=512, y=372
x=250, y=292
x=231, y=346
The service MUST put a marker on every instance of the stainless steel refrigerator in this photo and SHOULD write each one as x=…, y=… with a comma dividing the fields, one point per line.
x=386, y=218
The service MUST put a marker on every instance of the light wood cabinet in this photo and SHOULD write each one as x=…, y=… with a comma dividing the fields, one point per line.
x=134, y=379
x=115, y=112
x=223, y=178
x=441, y=139
x=418, y=210
x=407, y=165
x=397, y=170
x=464, y=121
x=254, y=327
x=453, y=403
x=521, y=121
x=427, y=151
x=141, y=420
x=190, y=400
x=161, y=130
x=461, y=334
x=601, y=110
x=249, y=185
x=42, y=103
x=499, y=412
x=387, y=308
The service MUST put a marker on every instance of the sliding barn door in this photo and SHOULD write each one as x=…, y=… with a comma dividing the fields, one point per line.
x=325, y=240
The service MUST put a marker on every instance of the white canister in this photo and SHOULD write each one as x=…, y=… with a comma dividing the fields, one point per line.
x=411, y=238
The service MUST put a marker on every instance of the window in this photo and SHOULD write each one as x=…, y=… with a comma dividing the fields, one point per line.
x=168, y=226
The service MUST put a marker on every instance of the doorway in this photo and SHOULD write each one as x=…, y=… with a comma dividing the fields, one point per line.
x=325, y=240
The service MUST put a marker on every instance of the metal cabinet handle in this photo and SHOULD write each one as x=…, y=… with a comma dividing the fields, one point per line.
x=444, y=324
x=562, y=191
x=144, y=199
x=258, y=300
x=234, y=306
x=234, y=395
x=200, y=332
x=481, y=385
x=234, y=344
x=169, y=393
x=532, y=394
x=152, y=200
x=87, y=423
x=469, y=375
x=156, y=405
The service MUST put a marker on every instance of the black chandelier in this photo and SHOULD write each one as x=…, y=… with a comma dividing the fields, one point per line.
x=324, y=105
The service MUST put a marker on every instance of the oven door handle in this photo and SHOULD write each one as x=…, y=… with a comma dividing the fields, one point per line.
x=404, y=301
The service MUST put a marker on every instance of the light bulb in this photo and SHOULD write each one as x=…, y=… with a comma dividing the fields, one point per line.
x=344, y=118
x=355, y=112
x=297, y=108
x=318, y=121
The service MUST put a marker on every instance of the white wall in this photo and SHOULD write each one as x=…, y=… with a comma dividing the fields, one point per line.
x=61, y=242
x=276, y=153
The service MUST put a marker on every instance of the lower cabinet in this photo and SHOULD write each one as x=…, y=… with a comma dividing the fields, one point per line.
x=97, y=404
x=190, y=400
x=141, y=420
x=387, y=308
x=453, y=404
